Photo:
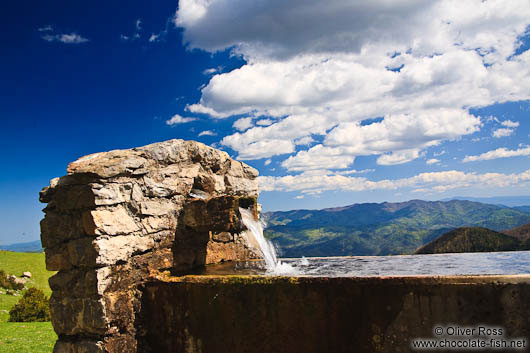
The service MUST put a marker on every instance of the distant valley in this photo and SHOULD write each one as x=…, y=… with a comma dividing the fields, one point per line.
x=382, y=228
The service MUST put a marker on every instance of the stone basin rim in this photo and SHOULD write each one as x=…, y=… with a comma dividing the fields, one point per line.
x=434, y=279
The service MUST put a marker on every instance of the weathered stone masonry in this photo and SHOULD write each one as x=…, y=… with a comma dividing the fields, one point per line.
x=120, y=217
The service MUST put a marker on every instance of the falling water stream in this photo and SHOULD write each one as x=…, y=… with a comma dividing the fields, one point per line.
x=257, y=240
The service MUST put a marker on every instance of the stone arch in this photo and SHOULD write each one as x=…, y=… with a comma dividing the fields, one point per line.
x=118, y=218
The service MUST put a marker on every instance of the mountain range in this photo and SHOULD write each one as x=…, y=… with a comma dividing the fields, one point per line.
x=382, y=228
x=509, y=201
x=32, y=246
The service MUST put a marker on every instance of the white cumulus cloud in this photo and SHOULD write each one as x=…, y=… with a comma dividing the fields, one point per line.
x=177, y=119
x=207, y=133
x=504, y=132
x=317, y=158
x=67, y=38
x=47, y=28
x=509, y=123
x=432, y=161
x=502, y=152
x=243, y=124
x=212, y=70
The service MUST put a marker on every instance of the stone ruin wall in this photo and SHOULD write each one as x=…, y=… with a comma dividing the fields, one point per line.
x=118, y=218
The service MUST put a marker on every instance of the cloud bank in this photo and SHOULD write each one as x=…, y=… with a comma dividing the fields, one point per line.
x=437, y=182
x=415, y=64
x=326, y=82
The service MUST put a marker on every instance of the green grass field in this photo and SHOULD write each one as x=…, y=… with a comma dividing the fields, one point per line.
x=22, y=337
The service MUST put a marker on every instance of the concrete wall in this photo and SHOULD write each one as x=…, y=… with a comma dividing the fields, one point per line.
x=274, y=314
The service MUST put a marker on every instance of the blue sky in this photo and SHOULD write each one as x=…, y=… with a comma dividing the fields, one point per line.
x=333, y=102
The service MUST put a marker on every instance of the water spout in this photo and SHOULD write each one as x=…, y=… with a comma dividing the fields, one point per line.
x=256, y=239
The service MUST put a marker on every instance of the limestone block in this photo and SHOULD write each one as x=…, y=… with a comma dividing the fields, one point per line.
x=179, y=171
x=219, y=252
x=157, y=224
x=120, y=248
x=189, y=171
x=94, y=252
x=212, y=184
x=111, y=194
x=241, y=170
x=165, y=187
x=82, y=252
x=57, y=258
x=163, y=239
x=216, y=214
x=113, y=221
x=223, y=237
x=95, y=282
x=82, y=346
x=186, y=259
x=48, y=192
x=210, y=159
x=191, y=152
x=73, y=197
x=57, y=228
x=241, y=186
x=137, y=194
x=120, y=343
x=110, y=164
x=72, y=316
x=157, y=207
x=167, y=152
x=219, y=184
x=151, y=262
x=83, y=283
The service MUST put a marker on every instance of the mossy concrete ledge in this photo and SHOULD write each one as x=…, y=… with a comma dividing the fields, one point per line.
x=214, y=314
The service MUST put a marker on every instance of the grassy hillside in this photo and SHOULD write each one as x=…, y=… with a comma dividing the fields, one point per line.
x=381, y=229
x=15, y=263
x=34, y=337
x=471, y=239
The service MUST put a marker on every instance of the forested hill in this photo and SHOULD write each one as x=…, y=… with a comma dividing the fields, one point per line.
x=471, y=239
x=521, y=233
x=381, y=228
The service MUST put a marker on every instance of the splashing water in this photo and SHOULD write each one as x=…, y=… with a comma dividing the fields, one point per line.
x=256, y=239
